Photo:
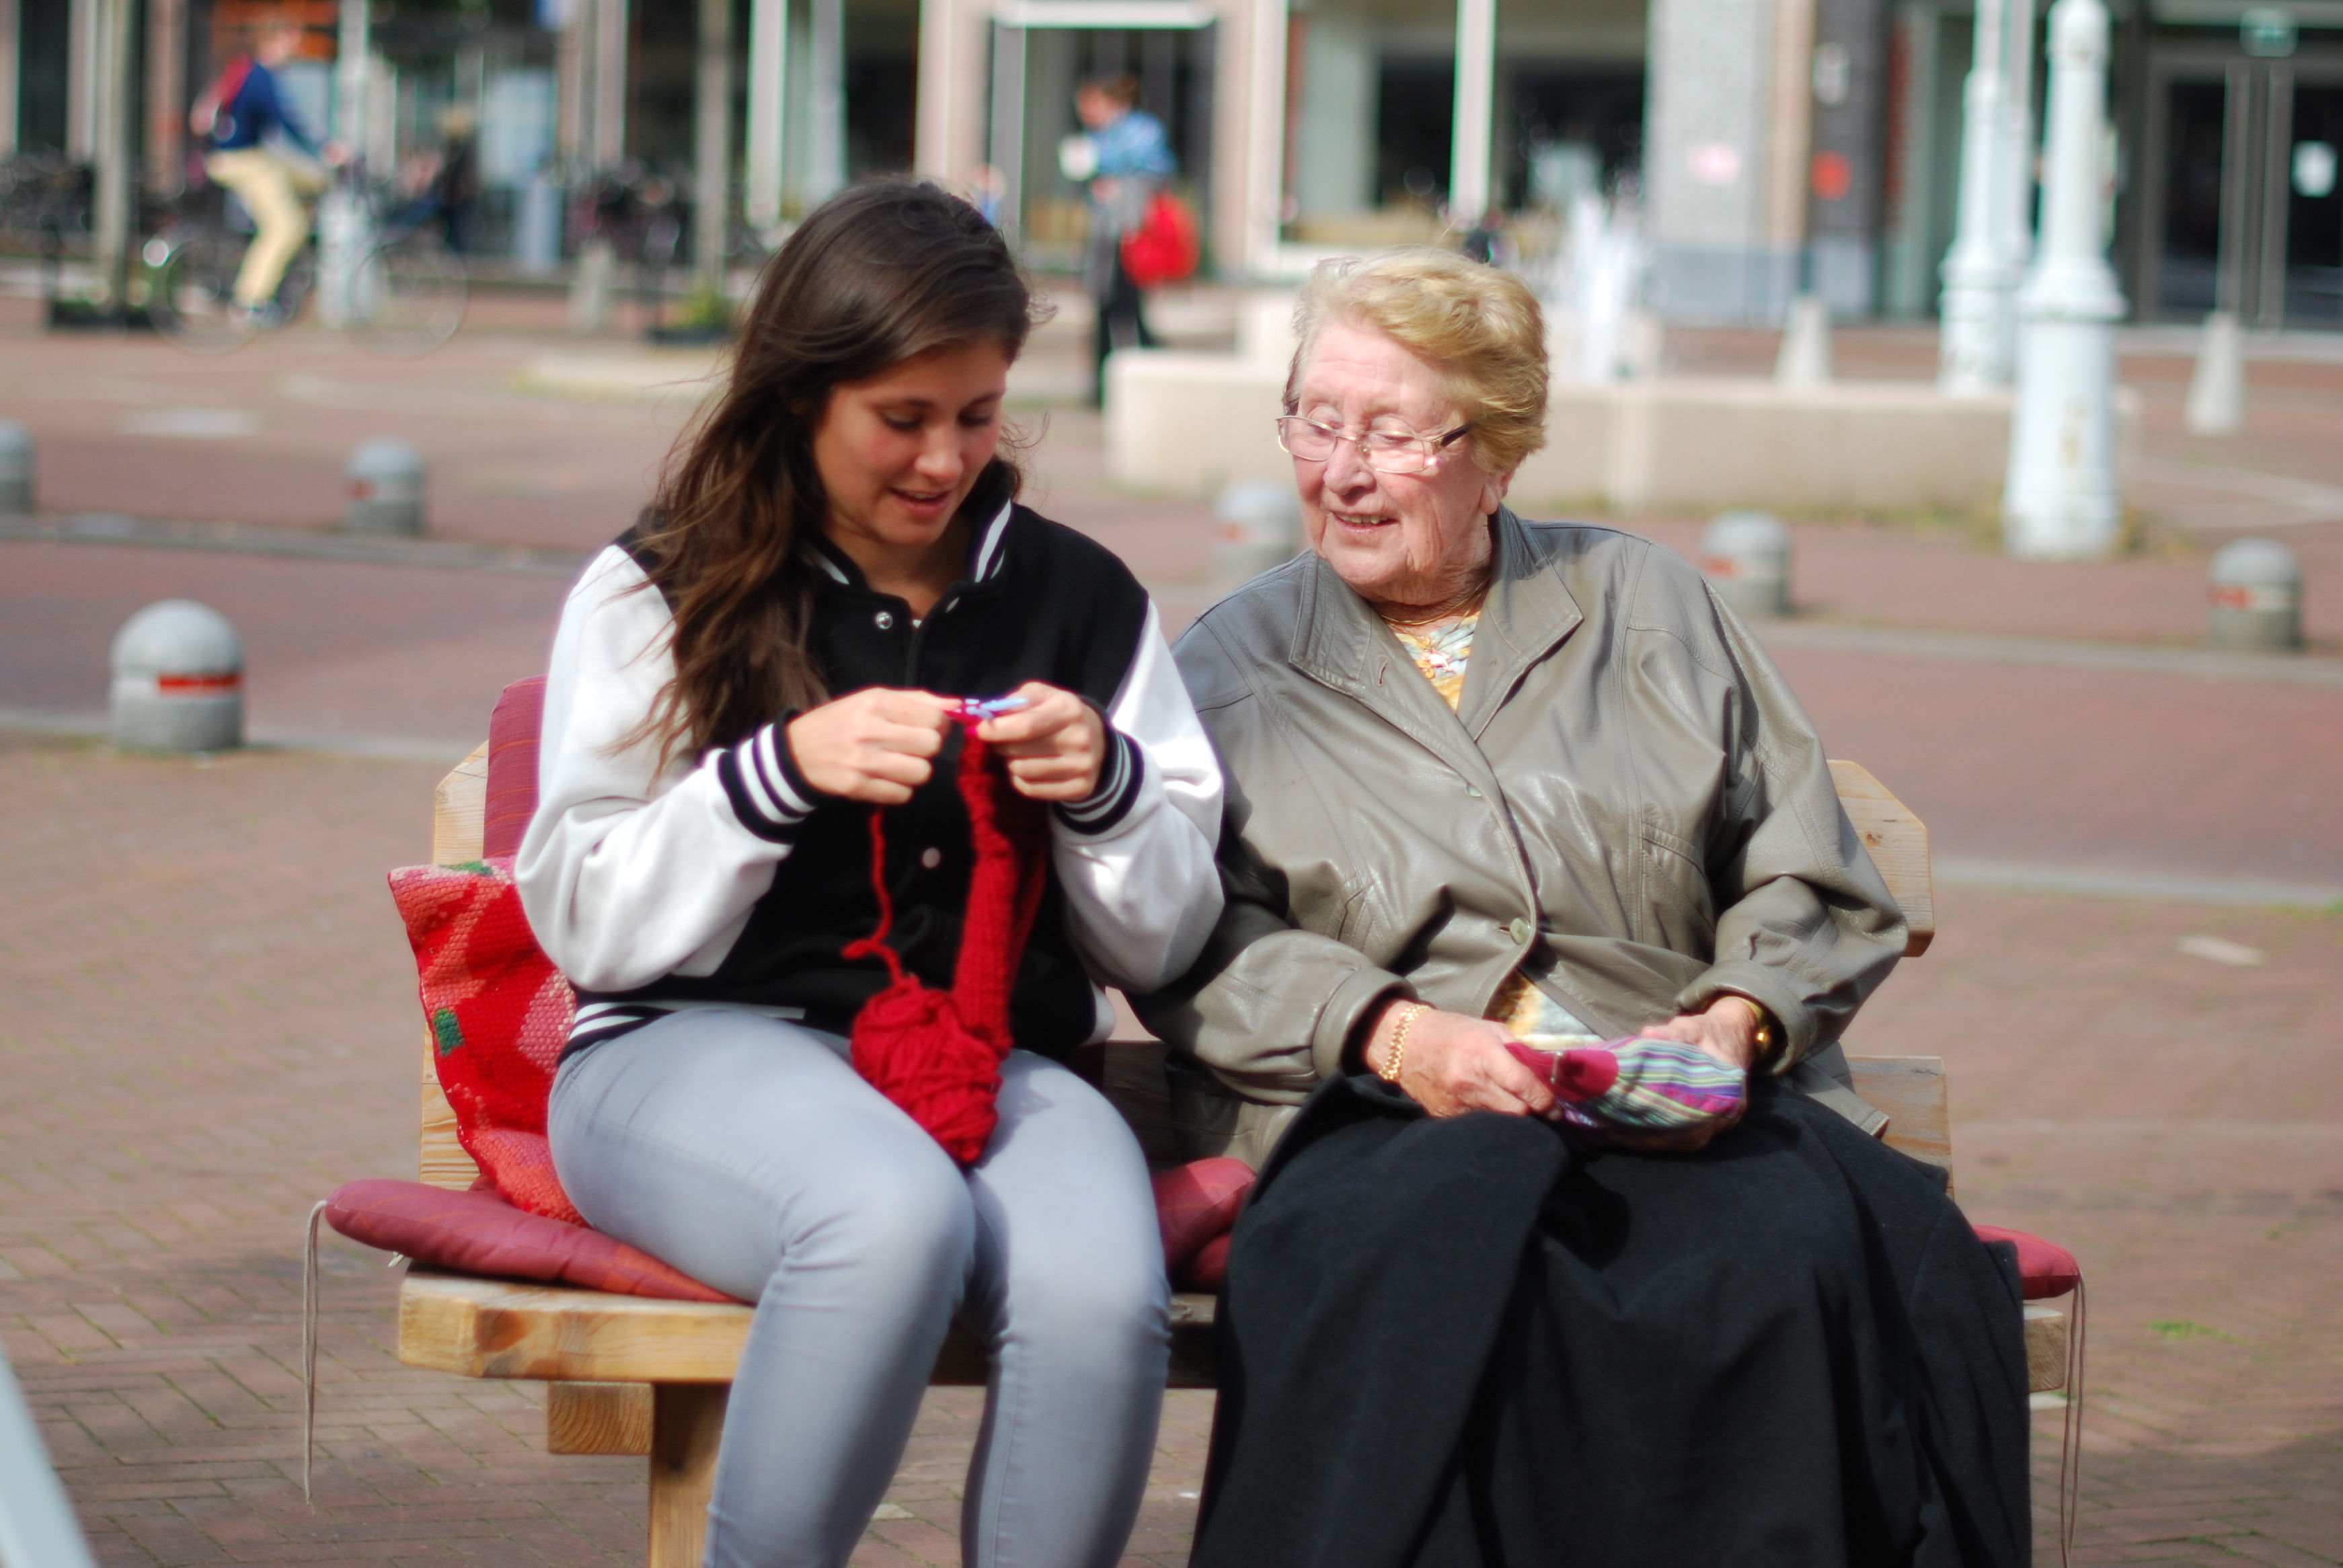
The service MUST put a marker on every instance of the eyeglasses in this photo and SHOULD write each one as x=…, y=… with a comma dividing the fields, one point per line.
x=1385, y=451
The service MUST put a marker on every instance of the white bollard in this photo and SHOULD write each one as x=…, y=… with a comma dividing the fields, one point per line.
x=385, y=480
x=2061, y=501
x=2256, y=594
x=2216, y=392
x=1745, y=556
x=178, y=679
x=589, y=286
x=1806, y=357
x=15, y=467
x=1260, y=529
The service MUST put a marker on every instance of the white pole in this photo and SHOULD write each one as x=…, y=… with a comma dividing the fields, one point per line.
x=769, y=63
x=342, y=223
x=1476, y=109
x=2012, y=216
x=2062, y=502
x=113, y=193
x=1972, y=352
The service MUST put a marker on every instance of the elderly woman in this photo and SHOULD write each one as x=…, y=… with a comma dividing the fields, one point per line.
x=1491, y=781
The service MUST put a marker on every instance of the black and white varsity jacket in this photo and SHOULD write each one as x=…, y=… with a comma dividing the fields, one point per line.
x=728, y=880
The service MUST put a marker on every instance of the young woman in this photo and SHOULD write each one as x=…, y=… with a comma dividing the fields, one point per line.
x=834, y=560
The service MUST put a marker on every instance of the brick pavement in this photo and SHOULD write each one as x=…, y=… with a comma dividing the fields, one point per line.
x=211, y=1025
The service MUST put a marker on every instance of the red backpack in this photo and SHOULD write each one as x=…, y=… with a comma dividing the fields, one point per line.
x=1163, y=247
x=212, y=108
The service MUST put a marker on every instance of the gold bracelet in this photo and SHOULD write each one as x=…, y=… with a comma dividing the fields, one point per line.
x=1389, y=1072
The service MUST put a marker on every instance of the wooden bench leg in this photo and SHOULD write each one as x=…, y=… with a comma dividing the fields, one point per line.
x=687, y=1420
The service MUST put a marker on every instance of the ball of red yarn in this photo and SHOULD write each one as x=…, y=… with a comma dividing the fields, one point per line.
x=937, y=1054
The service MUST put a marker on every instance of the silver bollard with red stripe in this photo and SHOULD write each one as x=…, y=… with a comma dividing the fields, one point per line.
x=1745, y=556
x=178, y=679
x=2256, y=596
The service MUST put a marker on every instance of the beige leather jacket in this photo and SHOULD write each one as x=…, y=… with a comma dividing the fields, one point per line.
x=1628, y=800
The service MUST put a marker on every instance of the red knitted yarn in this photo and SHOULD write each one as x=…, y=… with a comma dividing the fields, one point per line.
x=937, y=1054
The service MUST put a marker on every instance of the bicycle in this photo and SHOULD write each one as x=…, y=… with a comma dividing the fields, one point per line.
x=408, y=292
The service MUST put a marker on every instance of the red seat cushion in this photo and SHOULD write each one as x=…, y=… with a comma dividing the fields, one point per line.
x=2044, y=1268
x=511, y=793
x=499, y=1014
x=477, y=1233
x=1196, y=1206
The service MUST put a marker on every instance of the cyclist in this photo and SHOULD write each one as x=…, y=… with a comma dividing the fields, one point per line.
x=261, y=151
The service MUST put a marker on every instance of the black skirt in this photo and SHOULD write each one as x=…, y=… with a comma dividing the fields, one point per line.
x=1473, y=1343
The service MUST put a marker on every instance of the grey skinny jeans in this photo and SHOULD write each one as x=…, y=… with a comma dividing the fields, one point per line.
x=747, y=1152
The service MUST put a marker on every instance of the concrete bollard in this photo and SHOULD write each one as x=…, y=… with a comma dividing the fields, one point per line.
x=1806, y=355
x=15, y=467
x=386, y=488
x=2216, y=391
x=2256, y=594
x=178, y=679
x=1260, y=527
x=589, y=286
x=1745, y=556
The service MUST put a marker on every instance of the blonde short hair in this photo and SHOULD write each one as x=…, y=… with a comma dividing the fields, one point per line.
x=1479, y=325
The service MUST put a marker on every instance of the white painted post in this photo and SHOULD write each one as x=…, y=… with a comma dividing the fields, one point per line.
x=2062, y=503
x=2216, y=392
x=1476, y=110
x=1972, y=355
x=113, y=191
x=1804, y=359
x=36, y=1522
x=342, y=224
x=2013, y=186
x=769, y=65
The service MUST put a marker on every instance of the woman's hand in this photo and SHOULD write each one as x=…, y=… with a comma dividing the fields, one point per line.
x=1055, y=744
x=876, y=746
x=1727, y=1030
x=1455, y=1063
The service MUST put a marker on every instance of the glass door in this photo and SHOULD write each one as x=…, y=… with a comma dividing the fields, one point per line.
x=2249, y=201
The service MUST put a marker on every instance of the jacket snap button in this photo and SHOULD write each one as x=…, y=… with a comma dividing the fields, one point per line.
x=886, y=618
x=931, y=858
x=1519, y=930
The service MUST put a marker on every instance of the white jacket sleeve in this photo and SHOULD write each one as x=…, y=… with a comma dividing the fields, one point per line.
x=628, y=873
x=1136, y=858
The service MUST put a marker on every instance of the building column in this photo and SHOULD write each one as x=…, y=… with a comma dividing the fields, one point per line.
x=83, y=92
x=950, y=141
x=112, y=146
x=1249, y=135
x=1728, y=132
x=166, y=94
x=11, y=57
x=712, y=142
x=609, y=147
x=769, y=71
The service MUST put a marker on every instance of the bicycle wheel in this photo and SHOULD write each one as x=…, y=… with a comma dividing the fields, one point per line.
x=407, y=296
x=192, y=295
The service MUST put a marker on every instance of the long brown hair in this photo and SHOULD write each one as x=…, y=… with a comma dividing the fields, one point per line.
x=876, y=275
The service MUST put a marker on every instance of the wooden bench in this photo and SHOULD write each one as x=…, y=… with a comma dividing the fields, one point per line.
x=632, y=1375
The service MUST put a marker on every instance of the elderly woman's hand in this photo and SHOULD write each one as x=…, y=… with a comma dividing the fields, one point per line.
x=1453, y=1063
x=1727, y=1030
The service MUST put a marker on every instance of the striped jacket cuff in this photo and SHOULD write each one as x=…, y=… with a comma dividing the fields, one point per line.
x=1119, y=778
x=762, y=780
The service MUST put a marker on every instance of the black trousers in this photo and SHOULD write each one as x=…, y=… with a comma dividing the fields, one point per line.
x=1122, y=324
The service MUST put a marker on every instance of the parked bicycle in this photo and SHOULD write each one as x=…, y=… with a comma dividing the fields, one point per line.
x=408, y=292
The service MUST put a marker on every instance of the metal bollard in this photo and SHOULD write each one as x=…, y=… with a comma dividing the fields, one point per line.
x=1260, y=527
x=385, y=480
x=178, y=679
x=1745, y=556
x=2256, y=593
x=15, y=467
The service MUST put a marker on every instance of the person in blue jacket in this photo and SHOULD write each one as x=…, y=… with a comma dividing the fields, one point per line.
x=260, y=150
x=1131, y=160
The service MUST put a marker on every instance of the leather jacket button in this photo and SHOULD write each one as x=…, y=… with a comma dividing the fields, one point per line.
x=931, y=858
x=1519, y=930
x=886, y=619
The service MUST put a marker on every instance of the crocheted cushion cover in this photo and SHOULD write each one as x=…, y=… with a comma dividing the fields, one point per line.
x=498, y=1014
x=477, y=1233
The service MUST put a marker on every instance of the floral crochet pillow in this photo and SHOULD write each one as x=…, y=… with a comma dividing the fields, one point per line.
x=498, y=1014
